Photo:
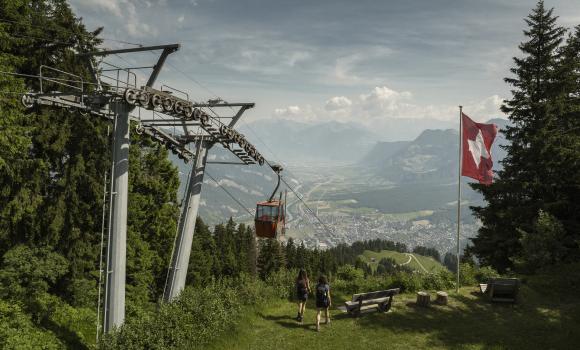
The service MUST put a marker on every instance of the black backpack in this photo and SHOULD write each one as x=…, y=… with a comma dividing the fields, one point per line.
x=322, y=293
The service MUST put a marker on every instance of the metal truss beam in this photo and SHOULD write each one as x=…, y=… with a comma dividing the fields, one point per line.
x=180, y=260
x=238, y=115
x=173, y=47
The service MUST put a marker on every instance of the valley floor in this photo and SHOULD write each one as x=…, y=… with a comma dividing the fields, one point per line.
x=468, y=322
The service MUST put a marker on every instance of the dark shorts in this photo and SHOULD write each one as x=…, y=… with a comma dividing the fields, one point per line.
x=302, y=297
x=321, y=304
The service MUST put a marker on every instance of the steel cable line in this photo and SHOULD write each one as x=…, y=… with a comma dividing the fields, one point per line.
x=255, y=134
x=269, y=164
x=90, y=36
x=51, y=78
x=306, y=205
x=229, y=194
x=213, y=112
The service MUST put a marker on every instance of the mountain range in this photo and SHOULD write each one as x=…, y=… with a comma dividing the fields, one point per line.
x=329, y=143
x=429, y=159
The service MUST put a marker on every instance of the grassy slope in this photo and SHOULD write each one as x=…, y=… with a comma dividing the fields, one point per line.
x=429, y=263
x=468, y=322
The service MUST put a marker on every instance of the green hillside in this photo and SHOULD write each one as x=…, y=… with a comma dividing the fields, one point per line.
x=468, y=322
x=414, y=261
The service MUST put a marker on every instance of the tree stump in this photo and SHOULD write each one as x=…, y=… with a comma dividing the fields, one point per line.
x=423, y=299
x=441, y=298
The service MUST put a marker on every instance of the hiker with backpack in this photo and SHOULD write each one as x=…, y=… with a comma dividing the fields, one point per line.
x=323, y=300
x=302, y=290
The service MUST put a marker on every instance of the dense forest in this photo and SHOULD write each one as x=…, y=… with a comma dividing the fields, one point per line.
x=54, y=165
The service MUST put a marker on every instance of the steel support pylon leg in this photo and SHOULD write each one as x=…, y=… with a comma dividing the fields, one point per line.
x=180, y=259
x=114, y=314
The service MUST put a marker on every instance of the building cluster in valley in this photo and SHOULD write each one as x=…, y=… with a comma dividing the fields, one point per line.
x=347, y=229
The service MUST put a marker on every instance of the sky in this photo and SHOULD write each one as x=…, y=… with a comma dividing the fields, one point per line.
x=366, y=62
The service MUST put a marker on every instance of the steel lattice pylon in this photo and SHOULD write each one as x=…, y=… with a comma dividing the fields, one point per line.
x=113, y=94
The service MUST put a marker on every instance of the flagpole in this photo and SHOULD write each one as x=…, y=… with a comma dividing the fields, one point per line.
x=459, y=192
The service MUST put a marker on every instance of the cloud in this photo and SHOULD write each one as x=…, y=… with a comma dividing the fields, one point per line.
x=254, y=53
x=348, y=68
x=288, y=111
x=337, y=103
x=232, y=184
x=485, y=109
x=383, y=103
x=296, y=112
x=126, y=17
x=111, y=6
x=180, y=19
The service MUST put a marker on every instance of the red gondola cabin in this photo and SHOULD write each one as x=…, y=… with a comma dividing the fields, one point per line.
x=270, y=219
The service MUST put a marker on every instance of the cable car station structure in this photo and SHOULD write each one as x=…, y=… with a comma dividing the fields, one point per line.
x=113, y=94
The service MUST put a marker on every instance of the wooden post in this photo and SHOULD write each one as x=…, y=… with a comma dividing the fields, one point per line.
x=441, y=298
x=423, y=299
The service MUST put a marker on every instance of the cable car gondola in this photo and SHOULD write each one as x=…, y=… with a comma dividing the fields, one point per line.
x=270, y=218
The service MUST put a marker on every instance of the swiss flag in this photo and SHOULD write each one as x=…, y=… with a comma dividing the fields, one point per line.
x=476, y=145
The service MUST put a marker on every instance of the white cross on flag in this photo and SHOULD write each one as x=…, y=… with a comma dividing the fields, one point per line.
x=476, y=145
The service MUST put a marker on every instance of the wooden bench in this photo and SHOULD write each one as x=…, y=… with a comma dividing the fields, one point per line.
x=501, y=289
x=380, y=300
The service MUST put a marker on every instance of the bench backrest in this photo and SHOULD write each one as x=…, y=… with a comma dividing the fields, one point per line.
x=504, y=286
x=504, y=281
x=375, y=295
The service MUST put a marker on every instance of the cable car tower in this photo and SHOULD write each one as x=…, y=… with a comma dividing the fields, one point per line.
x=113, y=94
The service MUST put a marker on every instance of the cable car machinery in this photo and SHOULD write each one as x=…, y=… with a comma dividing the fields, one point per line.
x=113, y=94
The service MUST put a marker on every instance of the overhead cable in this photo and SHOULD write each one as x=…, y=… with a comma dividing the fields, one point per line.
x=229, y=194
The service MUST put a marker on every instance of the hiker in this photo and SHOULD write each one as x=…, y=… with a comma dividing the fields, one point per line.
x=302, y=290
x=323, y=300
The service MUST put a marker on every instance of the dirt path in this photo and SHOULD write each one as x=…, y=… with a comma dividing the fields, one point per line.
x=411, y=256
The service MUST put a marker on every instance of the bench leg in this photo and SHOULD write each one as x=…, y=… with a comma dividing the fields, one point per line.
x=360, y=301
x=387, y=306
x=382, y=307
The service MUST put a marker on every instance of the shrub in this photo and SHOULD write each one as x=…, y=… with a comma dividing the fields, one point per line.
x=349, y=273
x=470, y=274
x=408, y=282
x=282, y=283
x=484, y=273
x=544, y=245
x=18, y=332
x=440, y=280
x=253, y=291
x=197, y=317
x=557, y=280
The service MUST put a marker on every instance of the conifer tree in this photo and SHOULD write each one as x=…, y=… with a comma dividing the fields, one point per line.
x=301, y=258
x=270, y=257
x=252, y=251
x=524, y=185
x=290, y=251
x=201, y=260
x=225, y=250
